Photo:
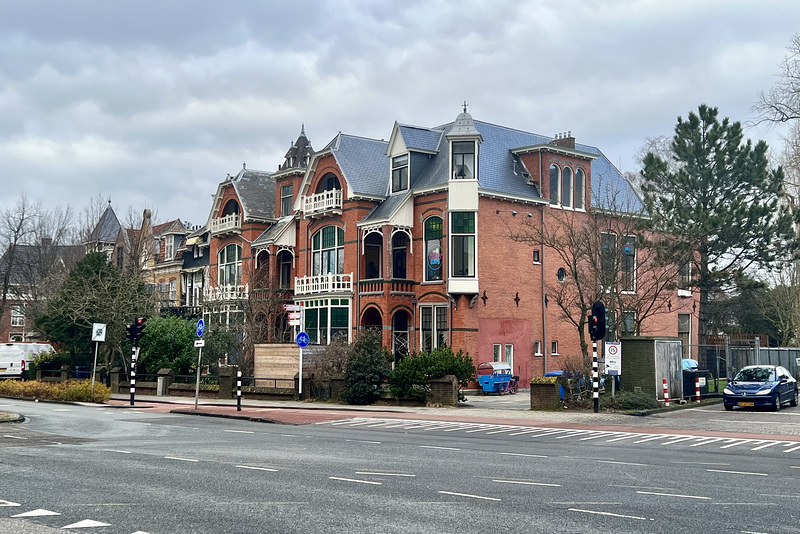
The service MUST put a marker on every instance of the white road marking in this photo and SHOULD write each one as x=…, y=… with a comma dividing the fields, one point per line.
x=384, y=474
x=8, y=503
x=521, y=454
x=115, y=450
x=600, y=435
x=677, y=440
x=608, y=514
x=792, y=449
x=658, y=436
x=619, y=463
x=764, y=446
x=356, y=480
x=87, y=523
x=364, y=441
x=573, y=433
x=527, y=483
x=705, y=442
x=14, y=437
x=62, y=410
x=36, y=513
x=623, y=437
x=673, y=495
x=700, y=463
x=470, y=496
x=503, y=430
x=240, y=431
x=737, y=472
x=734, y=444
x=442, y=448
x=529, y=431
x=257, y=468
x=180, y=459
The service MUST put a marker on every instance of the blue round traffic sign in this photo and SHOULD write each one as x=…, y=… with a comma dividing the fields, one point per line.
x=302, y=340
x=201, y=327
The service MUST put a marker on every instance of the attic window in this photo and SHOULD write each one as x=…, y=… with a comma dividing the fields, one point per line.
x=463, y=160
x=400, y=173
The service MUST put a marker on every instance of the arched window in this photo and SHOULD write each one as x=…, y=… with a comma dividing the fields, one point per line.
x=231, y=207
x=327, y=251
x=329, y=182
x=554, y=184
x=230, y=265
x=580, y=188
x=285, y=263
x=566, y=187
x=373, y=250
x=399, y=251
x=433, y=249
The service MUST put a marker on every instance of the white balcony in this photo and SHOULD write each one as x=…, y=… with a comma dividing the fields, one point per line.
x=325, y=283
x=323, y=203
x=225, y=293
x=227, y=224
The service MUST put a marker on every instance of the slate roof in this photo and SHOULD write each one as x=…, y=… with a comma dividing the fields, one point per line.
x=418, y=138
x=27, y=257
x=385, y=209
x=107, y=228
x=269, y=235
x=363, y=162
x=256, y=192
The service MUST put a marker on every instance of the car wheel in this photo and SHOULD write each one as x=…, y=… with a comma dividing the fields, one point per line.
x=777, y=405
x=729, y=407
x=793, y=402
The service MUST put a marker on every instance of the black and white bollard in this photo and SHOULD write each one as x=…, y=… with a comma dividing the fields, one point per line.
x=595, y=378
x=666, y=393
x=134, y=357
x=697, y=388
x=238, y=391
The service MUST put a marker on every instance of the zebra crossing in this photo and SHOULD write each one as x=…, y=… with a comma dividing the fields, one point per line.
x=535, y=433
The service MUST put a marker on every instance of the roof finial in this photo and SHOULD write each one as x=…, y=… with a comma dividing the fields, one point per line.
x=302, y=128
x=244, y=165
x=109, y=200
x=465, y=106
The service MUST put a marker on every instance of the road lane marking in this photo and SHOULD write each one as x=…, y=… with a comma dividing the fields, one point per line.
x=623, y=437
x=608, y=514
x=356, y=480
x=573, y=433
x=699, y=463
x=36, y=513
x=470, y=496
x=384, y=474
x=674, y=495
x=529, y=431
x=734, y=444
x=792, y=449
x=364, y=441
x=87, y=523
x=441, y=448
x=670, y=442
x=254, y=468
x=521, y=454
x=8, y=503
x=769, y=444
x=658, y=436
x=620, y=463
x=14, y=437
x=737, y=472
x=503, y=430
x=116, y=450
x=180, y=459
x=240, y=431
x=600, y=435
x=705, y=442
x=527, y=483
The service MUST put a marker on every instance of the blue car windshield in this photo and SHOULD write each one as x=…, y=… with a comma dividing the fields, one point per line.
x=756, y=374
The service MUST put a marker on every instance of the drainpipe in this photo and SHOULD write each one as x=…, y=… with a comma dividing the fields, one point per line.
x=544, y=293
x=357, y=314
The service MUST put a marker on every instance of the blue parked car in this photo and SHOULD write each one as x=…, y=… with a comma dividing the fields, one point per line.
x=760, y=385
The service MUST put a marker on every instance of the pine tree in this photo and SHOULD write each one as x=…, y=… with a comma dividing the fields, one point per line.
x=720, y=206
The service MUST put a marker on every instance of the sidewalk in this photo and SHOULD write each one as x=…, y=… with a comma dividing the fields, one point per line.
x=300, y=413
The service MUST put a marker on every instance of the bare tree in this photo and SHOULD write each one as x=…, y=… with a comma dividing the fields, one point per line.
x=604, y=258
x=782, y=102
x=17, y=226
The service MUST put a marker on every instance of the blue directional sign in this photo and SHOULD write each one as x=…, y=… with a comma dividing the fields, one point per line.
x=201, y=327
x=302, y=340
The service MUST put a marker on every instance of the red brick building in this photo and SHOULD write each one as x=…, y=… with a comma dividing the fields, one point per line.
x=413, y=235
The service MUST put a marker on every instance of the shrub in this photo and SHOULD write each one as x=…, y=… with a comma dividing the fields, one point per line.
x=411, y=377
x=71, y=390
x=629, y=400
x=365, y=370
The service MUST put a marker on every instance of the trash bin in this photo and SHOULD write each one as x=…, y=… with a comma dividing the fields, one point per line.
x=689, y=376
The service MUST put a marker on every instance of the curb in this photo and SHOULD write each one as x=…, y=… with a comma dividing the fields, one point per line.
x=16, y=418
x=228, y=416
x=686, y=406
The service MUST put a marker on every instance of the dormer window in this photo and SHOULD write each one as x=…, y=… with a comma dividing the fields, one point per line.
x=286, y=200
x=463, y=160
x=400, y=173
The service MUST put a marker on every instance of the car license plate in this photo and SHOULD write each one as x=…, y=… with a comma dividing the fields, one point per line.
x=746, y=404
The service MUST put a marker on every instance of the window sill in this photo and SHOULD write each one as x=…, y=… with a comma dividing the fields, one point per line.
x=684, y=293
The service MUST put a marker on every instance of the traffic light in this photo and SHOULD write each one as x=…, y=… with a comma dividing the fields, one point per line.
x=597, y=321
x=135, y=330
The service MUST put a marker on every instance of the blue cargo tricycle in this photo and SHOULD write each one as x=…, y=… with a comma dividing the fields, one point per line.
x=496, y=377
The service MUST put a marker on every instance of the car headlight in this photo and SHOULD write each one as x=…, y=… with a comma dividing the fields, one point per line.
x=764, y=392
x=728, y=391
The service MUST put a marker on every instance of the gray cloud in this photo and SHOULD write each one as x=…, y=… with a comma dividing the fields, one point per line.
x=153, y=103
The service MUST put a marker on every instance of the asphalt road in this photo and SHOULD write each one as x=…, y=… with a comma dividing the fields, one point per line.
x=129, y=471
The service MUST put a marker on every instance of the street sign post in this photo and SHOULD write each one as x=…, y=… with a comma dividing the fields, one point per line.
x=613, y=363
x=199, y=343
x=201, y=328
x=98, y=336
x=302, y=340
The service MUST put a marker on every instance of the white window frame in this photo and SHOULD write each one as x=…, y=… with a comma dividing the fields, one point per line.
x=555, y=201
x=458, y=160
x=497, y=352
x=17, y=317
x=169, y=247
x=580, y=178
x=508, y=355
x=400, y=173
x=554, y=348
x=286, y=199
x=222, y=279
x=537, y=348
x=472, y=254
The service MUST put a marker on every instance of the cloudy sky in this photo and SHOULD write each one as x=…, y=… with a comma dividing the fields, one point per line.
x=152, y=103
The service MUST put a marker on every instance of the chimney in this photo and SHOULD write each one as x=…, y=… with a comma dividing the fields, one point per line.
x=47, y=242
x=564, y=140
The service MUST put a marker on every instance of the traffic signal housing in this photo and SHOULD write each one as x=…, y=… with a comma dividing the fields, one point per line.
x=135, y=330
x=597, y=321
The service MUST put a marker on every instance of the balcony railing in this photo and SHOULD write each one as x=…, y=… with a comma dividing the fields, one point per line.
x=225, y=293
x=228, y=223
x=323, y=202
x=325, y=283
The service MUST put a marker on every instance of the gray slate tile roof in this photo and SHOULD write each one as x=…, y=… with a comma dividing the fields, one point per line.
x=256, y=192
x=107, y=228
x=417, y=138
x=363, y=162
x=270, y=234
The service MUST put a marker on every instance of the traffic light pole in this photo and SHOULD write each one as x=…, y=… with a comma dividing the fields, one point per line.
x=134, y=358
x=595, y=378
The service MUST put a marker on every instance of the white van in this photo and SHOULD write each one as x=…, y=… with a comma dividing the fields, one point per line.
x=16, y=358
